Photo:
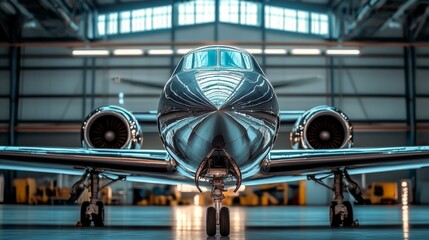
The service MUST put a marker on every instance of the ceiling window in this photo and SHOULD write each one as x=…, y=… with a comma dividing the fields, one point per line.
x=196, y=12
x=249, y=13
x=203, y=11
x=293, y=20
x=161, y=17
x=239, y=12
x=125, y=19
x=290, y=20
x=274, y=18
x=151, y=19
x=302, y=21
x=112, y=23
x=101, y=25
x=319, y=23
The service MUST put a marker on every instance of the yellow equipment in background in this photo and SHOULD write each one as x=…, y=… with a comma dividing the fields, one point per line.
x=381, y=193
x=25, y=189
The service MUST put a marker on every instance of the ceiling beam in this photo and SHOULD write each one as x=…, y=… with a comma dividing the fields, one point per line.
x=380, y=43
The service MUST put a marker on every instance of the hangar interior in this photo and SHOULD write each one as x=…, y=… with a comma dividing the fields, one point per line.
x=47, y=89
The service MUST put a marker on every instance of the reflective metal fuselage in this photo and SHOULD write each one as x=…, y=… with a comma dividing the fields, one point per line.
x=214, y=107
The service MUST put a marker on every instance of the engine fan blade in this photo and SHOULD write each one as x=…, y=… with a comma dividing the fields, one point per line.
x=295, y=82
x=133, y=82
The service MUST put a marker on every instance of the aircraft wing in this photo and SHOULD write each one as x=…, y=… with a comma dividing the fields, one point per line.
x=136, y=165
x=292, y=165
x=151, y=116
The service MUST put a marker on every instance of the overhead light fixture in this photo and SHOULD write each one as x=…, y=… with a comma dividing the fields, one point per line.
x=275, y=51
x=160, y=52
x=183, y=50
x=121, y=52
x=90, y=52
x=254, y=50
x=306, y=51
x=342, y=52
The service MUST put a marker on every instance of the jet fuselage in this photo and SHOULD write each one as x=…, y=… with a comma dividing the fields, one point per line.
x=203, y=109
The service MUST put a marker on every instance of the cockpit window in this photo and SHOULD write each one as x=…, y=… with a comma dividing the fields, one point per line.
x=234, y=59
x=200, y=59
x=209, y=58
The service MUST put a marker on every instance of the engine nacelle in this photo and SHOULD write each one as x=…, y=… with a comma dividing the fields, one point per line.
x=111, y=127
x=322, y=127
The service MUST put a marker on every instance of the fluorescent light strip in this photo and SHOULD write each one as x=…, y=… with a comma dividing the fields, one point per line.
x=90, y=52
x=254, y=50
x=275, y=51
x=342, y=52
x=128, y=52
x=183, y=50
x=306, y=51
x=160, y=52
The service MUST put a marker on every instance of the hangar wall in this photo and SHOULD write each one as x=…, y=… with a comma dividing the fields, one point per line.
x=57, y=88
x=53, y=83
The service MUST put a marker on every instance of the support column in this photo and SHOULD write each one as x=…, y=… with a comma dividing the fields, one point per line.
x=410, y=93
x=216, y=24
x=93, y=69
x=14, y=68
x=84, y=80
x=332, y=81
x=410, y=97
x=264, y=36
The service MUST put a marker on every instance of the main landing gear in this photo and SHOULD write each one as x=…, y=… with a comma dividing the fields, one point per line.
x=340, y=211
x=93, y=210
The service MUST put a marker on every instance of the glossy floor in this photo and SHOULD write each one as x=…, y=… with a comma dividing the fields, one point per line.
x=187, y=222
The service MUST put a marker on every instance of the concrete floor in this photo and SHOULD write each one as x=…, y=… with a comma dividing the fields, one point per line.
x=187, y=222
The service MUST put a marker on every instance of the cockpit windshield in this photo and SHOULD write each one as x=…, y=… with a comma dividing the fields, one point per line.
x=201, y=59
x=219, y=58
x=234, y=59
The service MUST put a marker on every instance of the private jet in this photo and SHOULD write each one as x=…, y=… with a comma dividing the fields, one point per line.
x=218, y=118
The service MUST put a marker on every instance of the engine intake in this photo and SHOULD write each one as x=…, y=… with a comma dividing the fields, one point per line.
x=322, y=127
x=111, y=127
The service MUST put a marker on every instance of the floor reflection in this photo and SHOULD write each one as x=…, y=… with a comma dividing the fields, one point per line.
x=405, y=199
x=188, y=222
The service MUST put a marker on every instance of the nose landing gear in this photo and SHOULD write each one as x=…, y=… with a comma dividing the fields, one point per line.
x=216, y=167
x=217, y=215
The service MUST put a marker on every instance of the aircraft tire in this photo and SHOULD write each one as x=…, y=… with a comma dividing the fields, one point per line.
x=224, y=224
x=84, y=220
x=99, y=219
x=211, y=221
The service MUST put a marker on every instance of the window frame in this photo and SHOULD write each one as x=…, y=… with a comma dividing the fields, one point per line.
x=218, y=63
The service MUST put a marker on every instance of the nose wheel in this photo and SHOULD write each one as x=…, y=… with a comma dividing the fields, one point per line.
x=224, y=224
x=217, y=216
x=211, y=221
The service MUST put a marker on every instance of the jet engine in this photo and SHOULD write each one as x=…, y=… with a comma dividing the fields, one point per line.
x=322, y=127
x=111, y=127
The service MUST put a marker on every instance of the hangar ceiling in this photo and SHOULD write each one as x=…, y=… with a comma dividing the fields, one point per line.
x=72, y=20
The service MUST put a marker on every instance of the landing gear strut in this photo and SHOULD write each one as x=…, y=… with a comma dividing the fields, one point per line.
x=217, y=215
x=340, y=211
x=93, y=210
x=215, y=168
